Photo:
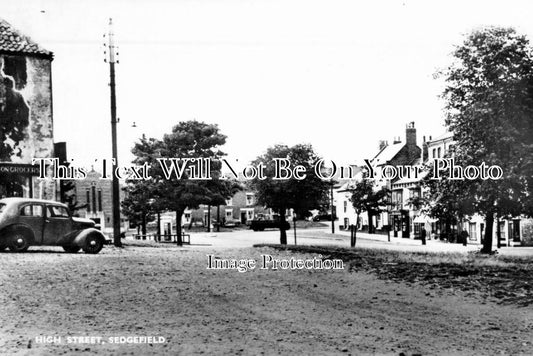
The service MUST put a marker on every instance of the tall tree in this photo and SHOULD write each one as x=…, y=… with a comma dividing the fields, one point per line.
x=138, y=203
x=188, y=140
x=302, y=195
x=489, y=109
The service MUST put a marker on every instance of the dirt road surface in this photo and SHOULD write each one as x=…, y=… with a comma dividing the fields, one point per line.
x=167, y=292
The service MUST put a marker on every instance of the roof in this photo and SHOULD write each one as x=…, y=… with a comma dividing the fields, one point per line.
x=444, y=136
x=12, y=41
x=387, y=153
x=19, y=200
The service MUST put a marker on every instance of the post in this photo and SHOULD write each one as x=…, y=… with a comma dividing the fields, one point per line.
x=218, y=218
x=294, y=225
x=158, y=226
x=498, y=231
x=209, y=218
x=332, y=215
x=389, y=208
x=115, y=184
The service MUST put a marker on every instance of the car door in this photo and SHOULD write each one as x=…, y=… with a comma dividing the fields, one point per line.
x=32, y=215
x=57, y=224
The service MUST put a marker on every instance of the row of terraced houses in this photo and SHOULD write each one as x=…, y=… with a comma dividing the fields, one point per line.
x=407, y=221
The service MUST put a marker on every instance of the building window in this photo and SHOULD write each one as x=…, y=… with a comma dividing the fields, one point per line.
x=397, y=199
x=93, y=192
x=472, y=231
x=249, y=199
x=434, y=153
x=187, y=217
x=88, y=198
x=438, y=152
x=345, y=206
x=100, y=200
x=229, y=214
x=229, y=202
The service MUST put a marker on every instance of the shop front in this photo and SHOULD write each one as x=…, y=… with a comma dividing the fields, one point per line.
x=19, y=180
x=400, y=223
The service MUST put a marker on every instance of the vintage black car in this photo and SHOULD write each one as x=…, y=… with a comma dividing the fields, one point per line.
x=25, y=222
x=261, y=224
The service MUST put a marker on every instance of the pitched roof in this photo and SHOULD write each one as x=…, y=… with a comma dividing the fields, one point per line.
x=12, y=41
x=444, y=136
x=387, y=153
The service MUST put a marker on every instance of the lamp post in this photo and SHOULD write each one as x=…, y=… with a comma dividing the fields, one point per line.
x=115, y=185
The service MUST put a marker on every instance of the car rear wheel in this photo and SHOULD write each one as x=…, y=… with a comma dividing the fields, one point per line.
x=93, y=244
x=18, y=242
x=71, y=249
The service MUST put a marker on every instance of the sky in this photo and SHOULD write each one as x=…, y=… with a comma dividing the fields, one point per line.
x=340, y=75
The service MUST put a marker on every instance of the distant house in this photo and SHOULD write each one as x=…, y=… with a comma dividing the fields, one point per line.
x=241, y=208
x=343, y=206
x=398, y=154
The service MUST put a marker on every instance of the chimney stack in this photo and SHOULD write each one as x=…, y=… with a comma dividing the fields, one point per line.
x=410, y=134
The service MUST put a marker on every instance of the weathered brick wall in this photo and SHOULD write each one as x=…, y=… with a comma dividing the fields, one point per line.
x=26, y=98
x=26, y=125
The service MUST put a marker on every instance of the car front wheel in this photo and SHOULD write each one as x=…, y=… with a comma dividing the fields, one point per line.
x=93, y=244
x=18, y=242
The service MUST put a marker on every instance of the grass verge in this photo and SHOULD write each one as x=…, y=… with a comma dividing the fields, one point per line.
x=505, y=279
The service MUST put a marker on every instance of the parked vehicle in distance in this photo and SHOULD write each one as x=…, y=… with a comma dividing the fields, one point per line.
x=25, y=222
x=324, y=217
x=231, y=223
x=261, y=224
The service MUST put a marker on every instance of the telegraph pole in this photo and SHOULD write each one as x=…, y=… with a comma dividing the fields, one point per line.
x=115, y=186
x=332, y=210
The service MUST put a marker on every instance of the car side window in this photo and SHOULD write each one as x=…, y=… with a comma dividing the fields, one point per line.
x=32, y=210
x=57, y=212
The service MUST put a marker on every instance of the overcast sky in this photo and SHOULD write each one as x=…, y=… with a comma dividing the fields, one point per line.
x=340, y=75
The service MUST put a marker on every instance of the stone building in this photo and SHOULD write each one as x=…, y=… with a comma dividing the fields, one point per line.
x=94, y=195
x=26, y=124
x=398, y=154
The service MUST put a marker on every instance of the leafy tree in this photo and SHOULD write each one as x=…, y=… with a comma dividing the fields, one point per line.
x=365, y=197
x=489, y=110
x=67, y=190
x=188, y=139
x=138, y=203
x=283, y=194
x=446, y=200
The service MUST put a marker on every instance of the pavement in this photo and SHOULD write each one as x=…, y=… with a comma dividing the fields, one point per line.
x=341, y=238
